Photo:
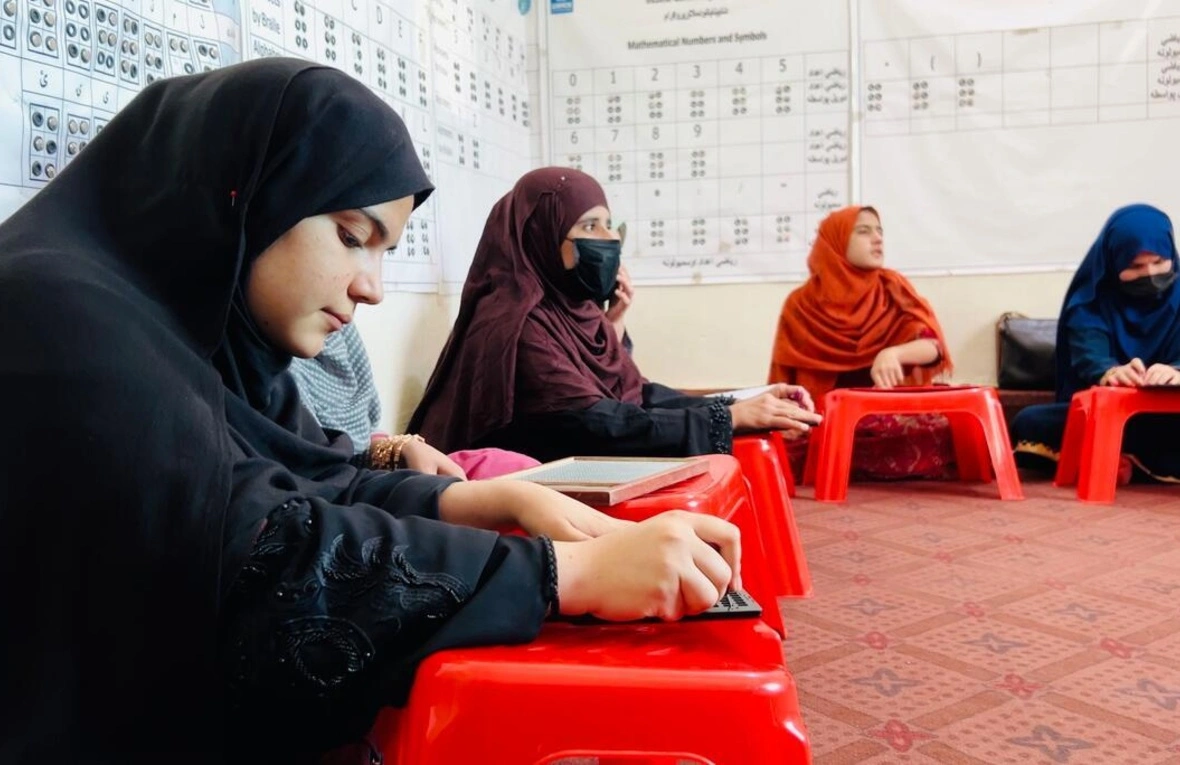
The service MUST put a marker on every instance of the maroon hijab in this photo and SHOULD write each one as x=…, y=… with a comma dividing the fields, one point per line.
x=515, y=320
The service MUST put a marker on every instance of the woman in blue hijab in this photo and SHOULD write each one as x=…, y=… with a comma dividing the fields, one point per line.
x=1119, y=325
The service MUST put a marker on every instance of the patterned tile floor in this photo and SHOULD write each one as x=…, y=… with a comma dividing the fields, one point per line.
x=950, y=627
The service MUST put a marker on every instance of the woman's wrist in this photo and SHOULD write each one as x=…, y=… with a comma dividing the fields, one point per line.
x=399, y=445
x=389, y=453
x=482, y=504
x=1105, y=379
x=570, y=569
x=918, y=352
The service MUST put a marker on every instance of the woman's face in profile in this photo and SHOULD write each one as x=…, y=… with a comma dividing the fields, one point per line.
x=866, y=246
x=310, y=281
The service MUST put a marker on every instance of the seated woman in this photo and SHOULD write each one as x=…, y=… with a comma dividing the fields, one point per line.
x=855, y=323
x=201, y=575
x=534, y=365
x=337, y=387
x=1119, y=325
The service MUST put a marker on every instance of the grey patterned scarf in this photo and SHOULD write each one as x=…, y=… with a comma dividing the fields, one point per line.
x=337, y=386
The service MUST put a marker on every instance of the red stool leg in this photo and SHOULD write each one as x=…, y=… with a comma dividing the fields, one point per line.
x=814, y=440
x=972, y=457
x=837, y=434
x=1102, y=443
x=756, y=575
x=790, y=546
x=780, y=446
x=764, y=472
x=991, y=418
x=1071, y=440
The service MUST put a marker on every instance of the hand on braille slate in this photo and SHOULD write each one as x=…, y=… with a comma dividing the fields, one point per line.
x=795, y=393
x=1129, y=375
x=770, y=412
x=1162, y=374
x=671, y=565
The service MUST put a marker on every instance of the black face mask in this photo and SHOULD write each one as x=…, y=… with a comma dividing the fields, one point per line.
x=596, y=271
x=1148, y=286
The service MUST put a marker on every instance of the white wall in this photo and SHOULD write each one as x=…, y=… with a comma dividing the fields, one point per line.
x=705, y=336
x=404, y=336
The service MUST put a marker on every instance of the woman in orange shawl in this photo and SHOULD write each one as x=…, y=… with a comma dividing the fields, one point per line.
x=857, y=324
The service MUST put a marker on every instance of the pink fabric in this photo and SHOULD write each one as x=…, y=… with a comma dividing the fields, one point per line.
x=491, y=463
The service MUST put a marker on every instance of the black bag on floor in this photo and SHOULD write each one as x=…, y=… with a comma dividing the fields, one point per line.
x=1026, y=353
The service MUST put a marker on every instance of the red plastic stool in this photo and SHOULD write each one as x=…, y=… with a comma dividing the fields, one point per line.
x=977, y=423
x=714, y=692
x=769, y=475
x=1093, y=438
x=722, y=491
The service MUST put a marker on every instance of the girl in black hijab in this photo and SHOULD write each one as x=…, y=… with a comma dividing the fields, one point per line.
x=193, y=570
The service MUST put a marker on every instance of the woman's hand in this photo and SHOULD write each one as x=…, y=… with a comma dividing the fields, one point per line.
x=770, y=412
x=421, y=456
x=669, y=565
x=796, y=393
x=887, y=371
x=1129, y=375
x=1161, y=374
x=616, y=307
x=541, y=510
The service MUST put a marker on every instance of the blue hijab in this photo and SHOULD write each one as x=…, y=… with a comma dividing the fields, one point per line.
x=1139, y=328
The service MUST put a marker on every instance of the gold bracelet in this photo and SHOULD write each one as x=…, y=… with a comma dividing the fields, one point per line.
x=399, y=443
x=379, y=454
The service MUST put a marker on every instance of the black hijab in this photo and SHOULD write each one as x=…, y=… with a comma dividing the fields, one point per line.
x=133, y=480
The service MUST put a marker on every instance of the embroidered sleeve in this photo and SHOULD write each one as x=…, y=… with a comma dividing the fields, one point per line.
x=335, y=606
x=721, y=424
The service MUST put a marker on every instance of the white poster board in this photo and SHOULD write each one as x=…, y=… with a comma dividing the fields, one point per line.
x=999, y=136
x=67, y=66
x=456, y=71
x=719, y=130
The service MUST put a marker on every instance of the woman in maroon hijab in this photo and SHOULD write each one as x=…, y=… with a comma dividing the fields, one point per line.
x=534, y=365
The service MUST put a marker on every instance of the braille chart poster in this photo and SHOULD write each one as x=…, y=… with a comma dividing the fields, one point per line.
x=66, y=67
x=993, y=136
x=719, y=128
x=1001, y=141
x=456, y=71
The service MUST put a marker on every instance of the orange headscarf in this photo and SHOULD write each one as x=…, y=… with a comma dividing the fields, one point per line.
x=843, y=316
